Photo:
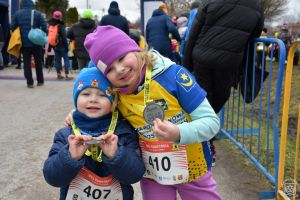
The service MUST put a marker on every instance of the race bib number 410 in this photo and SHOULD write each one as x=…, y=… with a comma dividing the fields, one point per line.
x=87, y=185
x=165, y=162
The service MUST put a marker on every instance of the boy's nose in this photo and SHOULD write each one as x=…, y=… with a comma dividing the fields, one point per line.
x=93, y=98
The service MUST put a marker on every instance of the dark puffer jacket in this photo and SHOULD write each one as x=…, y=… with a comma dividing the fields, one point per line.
x=221, y=31
x=78, y=32
x=22, y=19
x=114, y=18
x=62, y=36
x=4, y=3
x=126, y=166
x=157, y=33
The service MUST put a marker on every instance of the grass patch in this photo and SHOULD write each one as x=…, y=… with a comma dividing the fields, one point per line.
x=258, y=119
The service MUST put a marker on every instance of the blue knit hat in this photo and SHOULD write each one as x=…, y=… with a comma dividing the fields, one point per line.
x=91, y=78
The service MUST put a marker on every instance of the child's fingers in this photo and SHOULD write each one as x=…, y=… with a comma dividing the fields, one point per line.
x=108, y=137
x=161, y=125
x=71, y=138
x=86, y=137
x=68, y=119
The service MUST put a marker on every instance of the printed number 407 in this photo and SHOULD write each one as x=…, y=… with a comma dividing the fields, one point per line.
x=96, y=193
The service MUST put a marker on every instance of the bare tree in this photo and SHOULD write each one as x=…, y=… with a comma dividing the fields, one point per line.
x=177, y=7
x=48, y=6
x=272, y=8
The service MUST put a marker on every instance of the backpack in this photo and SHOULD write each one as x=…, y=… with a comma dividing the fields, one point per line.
x=53, y=35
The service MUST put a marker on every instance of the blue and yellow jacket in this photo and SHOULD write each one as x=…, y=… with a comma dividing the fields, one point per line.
x=184, y=103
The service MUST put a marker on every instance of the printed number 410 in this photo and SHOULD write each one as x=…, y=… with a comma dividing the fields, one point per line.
x=165, y=163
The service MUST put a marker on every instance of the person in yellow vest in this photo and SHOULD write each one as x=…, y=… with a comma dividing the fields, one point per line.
x=98, y=155
x=169, y=110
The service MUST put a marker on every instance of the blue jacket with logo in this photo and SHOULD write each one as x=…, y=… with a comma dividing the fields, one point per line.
x=22, y=19
x=126, y=166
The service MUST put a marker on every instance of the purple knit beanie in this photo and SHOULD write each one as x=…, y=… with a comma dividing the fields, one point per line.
x=107, y=44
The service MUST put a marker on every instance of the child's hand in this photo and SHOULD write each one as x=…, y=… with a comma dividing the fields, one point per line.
x=165, y=130
x=77, y=147
x=68, y=119
x=110, y=146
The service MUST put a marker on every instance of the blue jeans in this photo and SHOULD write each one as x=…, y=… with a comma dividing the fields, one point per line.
x=59, y=54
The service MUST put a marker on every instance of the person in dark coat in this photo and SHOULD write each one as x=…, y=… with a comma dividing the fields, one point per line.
x=217, y=44
x=1, y=46
x=61, y=49
x=114, y=18
x=78, y=32
x=105, y=169
x=22, y=19
x=4, y=21
x=158, y=28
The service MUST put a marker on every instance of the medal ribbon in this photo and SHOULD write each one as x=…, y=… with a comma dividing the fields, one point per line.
x=147, y=99
x=94, y=147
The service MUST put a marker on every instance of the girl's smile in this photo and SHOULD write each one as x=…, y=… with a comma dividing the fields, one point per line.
x=124, y=72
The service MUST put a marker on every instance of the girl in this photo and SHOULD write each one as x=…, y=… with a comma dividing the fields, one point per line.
x=168, y=109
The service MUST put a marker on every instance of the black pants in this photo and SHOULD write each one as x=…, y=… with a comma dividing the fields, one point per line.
x=36, y=52
x=217, y=83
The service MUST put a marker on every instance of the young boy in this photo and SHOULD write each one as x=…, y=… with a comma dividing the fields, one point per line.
x=99, y=156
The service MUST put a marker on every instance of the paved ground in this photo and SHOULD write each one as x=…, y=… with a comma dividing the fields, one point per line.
x=29, y=119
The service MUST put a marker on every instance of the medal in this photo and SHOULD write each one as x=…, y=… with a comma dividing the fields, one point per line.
x=93, y=152
x=94, y=141
x=153, y=111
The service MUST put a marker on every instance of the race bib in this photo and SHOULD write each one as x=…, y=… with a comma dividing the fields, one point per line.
x=165, y=162
x=87, y=185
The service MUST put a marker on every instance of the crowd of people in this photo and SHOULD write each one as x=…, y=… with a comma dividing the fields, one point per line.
x=145, y=114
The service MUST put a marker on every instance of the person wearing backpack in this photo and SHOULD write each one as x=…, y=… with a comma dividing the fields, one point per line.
x=22, y=19
x=58, y=39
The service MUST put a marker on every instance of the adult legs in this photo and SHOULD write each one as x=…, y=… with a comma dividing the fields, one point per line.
x=58, y=67
x=66, y=63
x=38, y=56
x=27, y=52
x=1, y=57
x=82, y=63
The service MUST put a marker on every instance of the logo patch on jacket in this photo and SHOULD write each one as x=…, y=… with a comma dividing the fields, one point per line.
x=185, y=80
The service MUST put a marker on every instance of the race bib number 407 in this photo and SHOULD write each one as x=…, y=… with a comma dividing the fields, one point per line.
x=165, y=162
x=87, y=185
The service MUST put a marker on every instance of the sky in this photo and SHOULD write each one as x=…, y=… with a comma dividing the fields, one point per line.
x=130, y=9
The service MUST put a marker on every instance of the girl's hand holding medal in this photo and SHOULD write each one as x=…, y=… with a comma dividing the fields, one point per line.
x=165, y=130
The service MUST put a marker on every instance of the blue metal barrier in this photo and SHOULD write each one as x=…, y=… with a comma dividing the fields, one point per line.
x=253, y=127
